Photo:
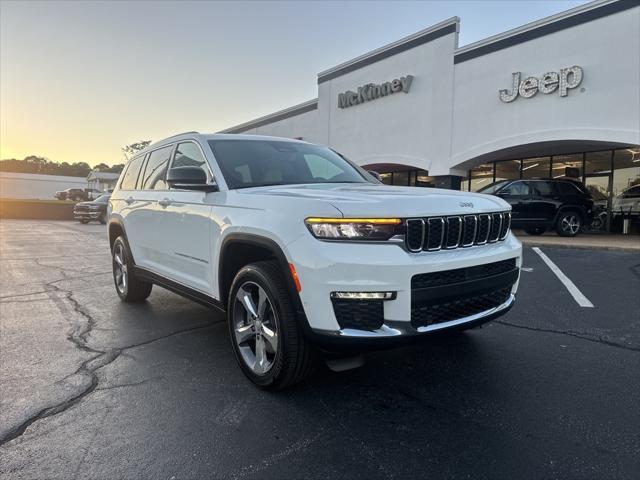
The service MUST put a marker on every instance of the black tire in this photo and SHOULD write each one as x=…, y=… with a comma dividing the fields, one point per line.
x=535, y=230
x=103, y=219
x=132, y=289
x=294, y=357
x=84, y=221
x=569, y=223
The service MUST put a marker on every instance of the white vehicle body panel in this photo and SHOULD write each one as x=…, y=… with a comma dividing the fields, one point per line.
x=178, y=234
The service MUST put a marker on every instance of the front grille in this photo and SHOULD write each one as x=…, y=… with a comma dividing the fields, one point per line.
x=362, y=315
x=423, y=316
x=436, y=233
x=448, y=277
x=81, y=208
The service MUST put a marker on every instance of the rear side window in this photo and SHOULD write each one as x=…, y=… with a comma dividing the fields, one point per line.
x=566, y=188
x=542, y=188
x=156, y=169
x=131, y=174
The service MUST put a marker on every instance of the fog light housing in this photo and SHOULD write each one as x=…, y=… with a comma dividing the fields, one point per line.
x=363, y=295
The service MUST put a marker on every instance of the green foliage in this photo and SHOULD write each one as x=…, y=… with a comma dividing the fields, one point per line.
x=132, y=149
x=42, y=165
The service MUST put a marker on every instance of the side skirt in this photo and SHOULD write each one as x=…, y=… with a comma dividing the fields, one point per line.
x=178, y=288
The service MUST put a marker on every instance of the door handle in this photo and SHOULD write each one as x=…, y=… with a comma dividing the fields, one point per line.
x=129, y=200
x=165, y=202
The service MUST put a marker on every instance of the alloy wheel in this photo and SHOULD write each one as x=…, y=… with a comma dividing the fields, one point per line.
x=255, y=327
x=120, y=268
x=570, y=224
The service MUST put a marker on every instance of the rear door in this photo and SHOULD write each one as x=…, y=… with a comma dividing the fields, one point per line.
x=147, y=221
x=545, y=201
x=124, y=202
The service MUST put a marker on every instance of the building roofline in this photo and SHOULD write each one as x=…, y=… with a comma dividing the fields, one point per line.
x=545, y=26
x=451, y=25
x=274, y=117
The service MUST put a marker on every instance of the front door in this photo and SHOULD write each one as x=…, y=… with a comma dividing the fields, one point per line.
x=185, y=229
x=517, y=194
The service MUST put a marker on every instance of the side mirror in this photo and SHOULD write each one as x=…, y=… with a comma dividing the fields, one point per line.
x=375, y=174
x=190, y=178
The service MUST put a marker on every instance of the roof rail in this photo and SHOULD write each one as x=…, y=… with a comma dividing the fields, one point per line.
x=178, y=134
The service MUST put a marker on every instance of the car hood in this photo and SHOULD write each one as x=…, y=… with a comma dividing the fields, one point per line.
x=388, y=201
x=86, y=204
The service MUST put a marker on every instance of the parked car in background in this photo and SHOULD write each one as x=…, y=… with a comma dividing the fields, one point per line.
x=86, y=212
x=627, y=202
x=539, y=205
x=77, y=194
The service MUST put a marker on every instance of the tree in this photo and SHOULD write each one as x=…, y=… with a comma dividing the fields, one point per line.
x=133, y=148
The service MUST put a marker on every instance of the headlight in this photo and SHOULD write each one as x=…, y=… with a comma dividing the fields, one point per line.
x=353, y=228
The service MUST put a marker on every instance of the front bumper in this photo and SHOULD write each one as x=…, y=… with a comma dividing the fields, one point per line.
x=332, y=266
x=90, y=215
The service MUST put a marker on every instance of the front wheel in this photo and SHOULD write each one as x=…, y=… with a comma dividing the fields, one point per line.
x=535, y=230
x=267, y=339
x=568, y=223
x=128, y=286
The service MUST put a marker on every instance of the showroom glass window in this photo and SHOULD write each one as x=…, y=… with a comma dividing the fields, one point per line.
x=626, y=169
x=481, y=176
x=156, y=170
x=131, y=174
x=508, y=170
x=538, y=167
x=567, y=166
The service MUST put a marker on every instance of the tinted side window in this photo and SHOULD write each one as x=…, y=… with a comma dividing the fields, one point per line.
x=516, y=188
x=633, y=192
x=156, y=169
x=542, y=188
x=131, y=174
x=566, y=188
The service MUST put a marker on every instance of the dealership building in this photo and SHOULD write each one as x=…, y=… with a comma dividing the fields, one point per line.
x=556, y=97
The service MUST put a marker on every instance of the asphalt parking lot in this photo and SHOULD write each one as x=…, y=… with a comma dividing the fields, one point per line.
x=94, y=388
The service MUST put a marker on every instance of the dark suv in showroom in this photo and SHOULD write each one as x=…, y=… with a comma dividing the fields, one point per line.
x=539, y=205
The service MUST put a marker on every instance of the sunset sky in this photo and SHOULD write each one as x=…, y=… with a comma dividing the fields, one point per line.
x=81, y=79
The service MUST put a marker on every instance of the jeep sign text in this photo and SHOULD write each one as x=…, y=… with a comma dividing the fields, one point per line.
x=371, y=91
x=548, y=83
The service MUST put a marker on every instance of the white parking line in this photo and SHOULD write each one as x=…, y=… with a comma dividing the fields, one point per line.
x=577, y=295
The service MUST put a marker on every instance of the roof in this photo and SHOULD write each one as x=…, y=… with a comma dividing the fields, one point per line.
x=102, y=175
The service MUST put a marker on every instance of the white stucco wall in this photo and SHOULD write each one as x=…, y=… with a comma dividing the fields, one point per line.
x=607, y=49
x=452, y=118
x=378, y=131
x=35, y=186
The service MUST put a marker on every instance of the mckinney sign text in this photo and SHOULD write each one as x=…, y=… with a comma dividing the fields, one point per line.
x=371, y=91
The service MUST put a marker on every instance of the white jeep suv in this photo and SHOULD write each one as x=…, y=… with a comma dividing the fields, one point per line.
x=305, y=251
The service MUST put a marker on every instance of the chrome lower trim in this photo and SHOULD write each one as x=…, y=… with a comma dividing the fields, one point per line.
x=386, y=331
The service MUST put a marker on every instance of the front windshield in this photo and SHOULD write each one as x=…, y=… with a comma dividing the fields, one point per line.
x=493, y=188
x=103, y=198
x=255, y=163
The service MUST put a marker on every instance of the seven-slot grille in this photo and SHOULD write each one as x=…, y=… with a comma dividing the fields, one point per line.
x=436, y=233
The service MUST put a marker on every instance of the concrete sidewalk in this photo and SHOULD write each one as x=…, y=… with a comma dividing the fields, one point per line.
x=625, y=243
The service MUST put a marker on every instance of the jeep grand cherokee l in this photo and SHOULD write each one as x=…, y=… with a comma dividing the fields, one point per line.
x=538, y=205
x=305, y=251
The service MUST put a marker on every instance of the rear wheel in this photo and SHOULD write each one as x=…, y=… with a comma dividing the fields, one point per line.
x=129, y=288
x=267, y=339
x=569, y=223
x=535, y=230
